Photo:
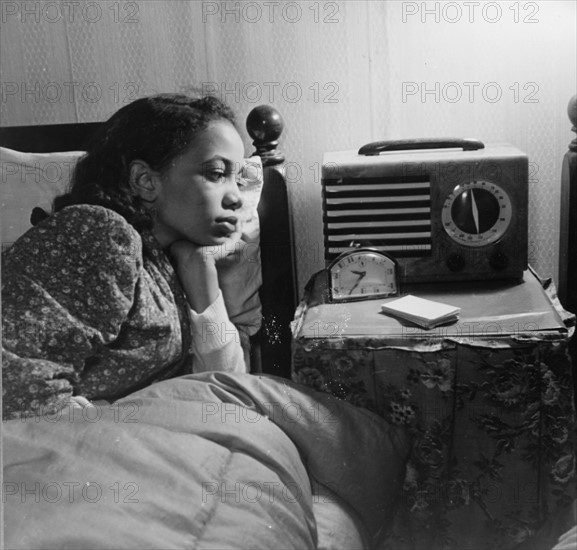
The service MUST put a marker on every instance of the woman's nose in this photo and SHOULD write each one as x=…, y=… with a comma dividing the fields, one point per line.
x=233, y=198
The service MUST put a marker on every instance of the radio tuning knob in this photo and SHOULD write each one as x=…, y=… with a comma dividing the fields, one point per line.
x=499, y=261
x=455, y=262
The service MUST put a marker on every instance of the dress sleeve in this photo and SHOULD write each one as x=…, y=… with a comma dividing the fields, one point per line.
x=68, y=285
x=216, y=343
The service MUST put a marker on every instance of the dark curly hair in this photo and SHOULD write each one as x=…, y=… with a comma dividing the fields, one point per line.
x=153, y=129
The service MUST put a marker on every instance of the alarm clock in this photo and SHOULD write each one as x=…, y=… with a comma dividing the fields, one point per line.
x=445, y=209
x=362, y=274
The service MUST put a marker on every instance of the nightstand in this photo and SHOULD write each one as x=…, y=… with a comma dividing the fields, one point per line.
x=488, y=400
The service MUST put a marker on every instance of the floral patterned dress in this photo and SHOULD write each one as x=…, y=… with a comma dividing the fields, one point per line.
x=90, y=307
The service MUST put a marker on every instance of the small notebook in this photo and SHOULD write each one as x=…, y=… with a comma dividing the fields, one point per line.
x=425, y=313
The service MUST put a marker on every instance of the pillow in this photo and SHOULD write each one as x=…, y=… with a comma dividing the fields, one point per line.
x=32, y=180
x=29, y=180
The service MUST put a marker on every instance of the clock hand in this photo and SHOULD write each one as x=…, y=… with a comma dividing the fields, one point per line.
x=475, y=210
x=361, y=275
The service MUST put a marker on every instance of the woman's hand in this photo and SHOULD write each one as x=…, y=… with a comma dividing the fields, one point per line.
x=185, y=252
x=196, y=269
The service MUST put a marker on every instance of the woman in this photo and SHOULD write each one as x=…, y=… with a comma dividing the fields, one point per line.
x=118, y=288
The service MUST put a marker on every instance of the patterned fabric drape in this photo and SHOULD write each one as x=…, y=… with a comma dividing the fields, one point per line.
x=342, y=73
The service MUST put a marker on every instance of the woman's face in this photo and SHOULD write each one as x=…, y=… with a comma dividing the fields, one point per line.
x=199, y=194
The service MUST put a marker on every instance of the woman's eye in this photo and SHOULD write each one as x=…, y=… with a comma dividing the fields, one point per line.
x=216, y=175
x=219, y=175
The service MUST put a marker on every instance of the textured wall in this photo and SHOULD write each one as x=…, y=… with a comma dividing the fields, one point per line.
x=342, y=73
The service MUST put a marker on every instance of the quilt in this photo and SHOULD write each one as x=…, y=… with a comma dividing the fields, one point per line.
x=214, y=460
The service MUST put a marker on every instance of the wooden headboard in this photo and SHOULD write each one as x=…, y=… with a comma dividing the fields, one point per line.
x=272, y=345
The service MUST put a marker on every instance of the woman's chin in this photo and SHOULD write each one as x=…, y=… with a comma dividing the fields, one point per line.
x=230, y=242
x=230, y=238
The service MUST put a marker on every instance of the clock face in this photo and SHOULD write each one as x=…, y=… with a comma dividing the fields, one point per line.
x=362, y=274
x=476, y=213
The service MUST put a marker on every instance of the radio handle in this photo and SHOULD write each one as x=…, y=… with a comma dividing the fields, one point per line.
x=376, y=147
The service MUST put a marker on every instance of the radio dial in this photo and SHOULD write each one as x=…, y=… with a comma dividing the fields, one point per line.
x=476, y=213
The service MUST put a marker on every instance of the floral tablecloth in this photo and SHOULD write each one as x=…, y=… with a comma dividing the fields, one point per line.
x=490, y=410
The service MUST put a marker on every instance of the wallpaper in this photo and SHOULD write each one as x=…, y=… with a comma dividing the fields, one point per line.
x=341, y=73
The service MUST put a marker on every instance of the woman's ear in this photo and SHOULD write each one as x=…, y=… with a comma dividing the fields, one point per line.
x=144, y=181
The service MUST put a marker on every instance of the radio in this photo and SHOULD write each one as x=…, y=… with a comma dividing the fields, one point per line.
x=444, y=209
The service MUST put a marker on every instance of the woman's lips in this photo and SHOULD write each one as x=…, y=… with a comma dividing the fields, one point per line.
x=229, y=223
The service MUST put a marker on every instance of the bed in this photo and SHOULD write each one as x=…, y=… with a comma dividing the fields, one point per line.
x=205, y=461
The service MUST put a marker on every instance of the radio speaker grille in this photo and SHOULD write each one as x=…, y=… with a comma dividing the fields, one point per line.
x=391, y=214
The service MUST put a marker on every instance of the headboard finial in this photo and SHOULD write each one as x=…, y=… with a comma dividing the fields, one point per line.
x=265, y=125
x=572, y=112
